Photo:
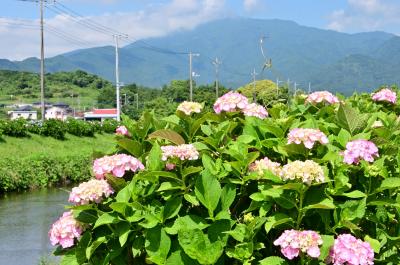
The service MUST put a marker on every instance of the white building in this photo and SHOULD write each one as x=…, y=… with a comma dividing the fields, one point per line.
x=101, y=114
x=56, y=113
x=26, y=113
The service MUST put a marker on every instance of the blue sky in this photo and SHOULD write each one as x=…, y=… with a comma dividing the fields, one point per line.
x=152, y=18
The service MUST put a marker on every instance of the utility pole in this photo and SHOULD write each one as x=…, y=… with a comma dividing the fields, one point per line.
x=191, y=73
x=216, y=63
x=125, y=102
x=277, y=85
x=116, y=37
x=253, y=74
x=42, y=60
x=295, y=88
x=137, y=100
x=309, y=87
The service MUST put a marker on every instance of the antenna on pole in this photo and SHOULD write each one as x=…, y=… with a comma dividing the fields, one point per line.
x=42, y=61
x=267, y=62
x=216, y=63
x=191, y=73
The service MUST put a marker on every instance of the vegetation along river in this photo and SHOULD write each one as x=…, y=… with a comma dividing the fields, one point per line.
x=25, y=219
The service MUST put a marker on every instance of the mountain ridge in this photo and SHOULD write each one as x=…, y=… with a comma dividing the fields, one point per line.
x=325, y=58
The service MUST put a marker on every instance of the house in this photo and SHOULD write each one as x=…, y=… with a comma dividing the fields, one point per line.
x=61, y=105
x=56, y=113
x=101, y=114
x=26, y=112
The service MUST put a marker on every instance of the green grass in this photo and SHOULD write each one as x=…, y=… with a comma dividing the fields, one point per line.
x=37, y=146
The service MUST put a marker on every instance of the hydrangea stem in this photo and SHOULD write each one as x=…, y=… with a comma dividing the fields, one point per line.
x=300, y=214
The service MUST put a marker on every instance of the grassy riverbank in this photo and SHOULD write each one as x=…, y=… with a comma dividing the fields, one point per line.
x=40, y=161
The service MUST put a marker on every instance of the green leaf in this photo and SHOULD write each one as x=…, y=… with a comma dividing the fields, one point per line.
x=191, y=199
x=241, y=251
x=190, y=170
x=273, y=260
x=81, y=247
x=153, y=162
x=169, y=186
x=132, y=146
x=228, y=195
x=324, y=204
x=208, y=191
x=343, y=137
x=353, y=194
x=209, y=164
x=172, y=207
x=275, y=220
x=85, y=216
x=157, y=245
x=390, y=183
x=92, y=248
x=192, y=221
x=169, y=135
x=180, y=258
x=105, y=219
x=125, y=194
x=353, y=209
x=349, y=119
x=69, y=259
x=198, y=247
x=116, y=183
x=328, y=242
x=375, y=244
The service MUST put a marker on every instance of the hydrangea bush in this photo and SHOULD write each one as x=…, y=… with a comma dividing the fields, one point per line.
x=231, y=187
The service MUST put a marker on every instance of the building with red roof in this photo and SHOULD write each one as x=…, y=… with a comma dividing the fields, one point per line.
x=101, y=114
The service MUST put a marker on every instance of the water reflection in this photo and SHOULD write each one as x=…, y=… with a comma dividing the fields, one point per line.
x=25, y=219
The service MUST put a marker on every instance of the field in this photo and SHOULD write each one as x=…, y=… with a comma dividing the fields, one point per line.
x=38, y=161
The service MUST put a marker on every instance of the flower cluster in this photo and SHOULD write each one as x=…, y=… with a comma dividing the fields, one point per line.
x=322, y=96
x=183, y=152
x=307, y=136
x=65, y=230
x=188, y=107
x=261, y=165
x=360, y=149
x=293, y=241
x=385, y=95
x=348, y=250
x=230, y=102
x=91, y=191
x=307, y=171
x=255, y=110
x=116, y=165
x=122, y=130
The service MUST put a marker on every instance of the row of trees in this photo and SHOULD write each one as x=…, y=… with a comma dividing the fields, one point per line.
x=136, y=99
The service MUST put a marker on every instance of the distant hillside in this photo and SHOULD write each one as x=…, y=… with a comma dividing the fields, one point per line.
x=327, y=59
x=76, y=88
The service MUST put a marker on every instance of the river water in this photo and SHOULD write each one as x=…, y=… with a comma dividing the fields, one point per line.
x=25, y=219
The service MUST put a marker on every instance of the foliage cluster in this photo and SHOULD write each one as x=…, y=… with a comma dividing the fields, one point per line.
x=214, y=211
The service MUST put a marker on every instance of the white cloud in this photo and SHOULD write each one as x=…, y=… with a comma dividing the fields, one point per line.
x=19, y=42
x=366, y=15
x=250, y=5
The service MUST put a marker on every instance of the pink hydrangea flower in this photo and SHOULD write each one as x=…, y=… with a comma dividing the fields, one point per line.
x=360, y=149
x=122, y=130
x=385, y=95
x=65, y=230
x=183, y=152
x=230, y=102
x=255, y=110
x=292, y=242
x=348, y=250
x=322, y=96
x=170, y=166
x=91, y=191
x=261, y=165
x=307, y=136
x=190, y=107
x=116, y=165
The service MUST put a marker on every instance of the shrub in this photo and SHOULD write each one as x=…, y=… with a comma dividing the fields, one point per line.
x=109, y=126
x=16, y=128
x=54, y=128
x=238, y=193
x=80, y=128
x=34, y=172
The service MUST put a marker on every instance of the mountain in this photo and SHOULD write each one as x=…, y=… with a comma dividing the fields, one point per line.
x=328, y=59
